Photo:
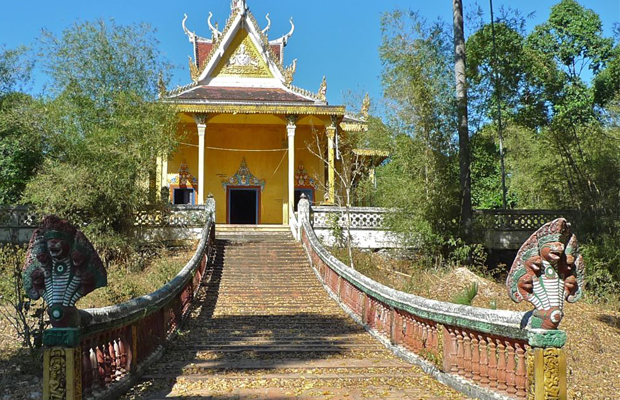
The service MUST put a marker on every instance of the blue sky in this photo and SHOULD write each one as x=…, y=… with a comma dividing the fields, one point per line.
x=336, y=38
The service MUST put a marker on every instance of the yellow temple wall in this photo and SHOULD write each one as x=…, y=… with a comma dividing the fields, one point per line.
x=222, y=162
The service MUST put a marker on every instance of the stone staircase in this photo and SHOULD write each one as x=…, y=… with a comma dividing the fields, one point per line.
x=266, y=329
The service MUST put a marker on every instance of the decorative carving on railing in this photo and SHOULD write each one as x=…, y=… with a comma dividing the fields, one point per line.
x=361, y=217
x=113, y=345
x=518, y=220
x=18, y=222
x=489, y=353
x=61, y=266
x=18, y=216
x=177, y=215
x=548, y=269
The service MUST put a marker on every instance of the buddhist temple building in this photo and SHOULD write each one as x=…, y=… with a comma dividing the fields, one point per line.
x=246, y=131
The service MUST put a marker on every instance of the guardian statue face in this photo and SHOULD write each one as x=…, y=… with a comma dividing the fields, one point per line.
x=61, y=266
x=548, y=269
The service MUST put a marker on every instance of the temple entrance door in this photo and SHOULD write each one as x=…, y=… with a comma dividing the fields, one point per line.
x=243, y=205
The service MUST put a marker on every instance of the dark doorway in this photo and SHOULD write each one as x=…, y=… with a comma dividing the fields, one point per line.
x=242, y=206
x=183, y=196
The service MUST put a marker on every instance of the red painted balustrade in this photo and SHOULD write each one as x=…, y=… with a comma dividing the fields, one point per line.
x=491, y=357
x=121, y=341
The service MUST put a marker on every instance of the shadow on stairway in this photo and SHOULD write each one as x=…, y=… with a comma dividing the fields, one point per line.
x=267, y=318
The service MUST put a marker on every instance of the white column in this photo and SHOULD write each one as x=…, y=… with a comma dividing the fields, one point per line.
x=331, y=175
x=290, y=128
x=164, y=171
x=201, y=120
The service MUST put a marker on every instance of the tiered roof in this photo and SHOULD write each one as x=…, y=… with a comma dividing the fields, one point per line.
x=240, y=65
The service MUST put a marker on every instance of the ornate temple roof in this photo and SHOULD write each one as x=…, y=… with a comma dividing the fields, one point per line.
x=241, y=65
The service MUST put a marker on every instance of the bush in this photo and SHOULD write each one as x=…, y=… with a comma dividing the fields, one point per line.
x=25, y=316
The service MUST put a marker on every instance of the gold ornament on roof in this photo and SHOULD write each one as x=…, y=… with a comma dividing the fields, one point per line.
x=289, y=72
x=193, y=70
x=246, y=61
x=323, y=90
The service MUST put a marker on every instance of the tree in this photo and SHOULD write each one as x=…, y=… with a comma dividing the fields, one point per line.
x=21, y=149
x=103, y=127
x=15, y=69
x=463, y=127
x=20, y=142
x=421, y=178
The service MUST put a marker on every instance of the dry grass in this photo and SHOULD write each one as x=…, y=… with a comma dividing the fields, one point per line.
x=21, y=374
x=592, y=349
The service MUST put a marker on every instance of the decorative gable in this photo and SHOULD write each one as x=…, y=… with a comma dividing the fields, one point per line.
x=242, y=58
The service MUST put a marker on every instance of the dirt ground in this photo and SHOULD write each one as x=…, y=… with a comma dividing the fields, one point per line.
x=593, y=345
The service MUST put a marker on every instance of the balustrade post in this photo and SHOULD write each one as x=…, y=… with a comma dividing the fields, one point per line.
x=492, y=364
x=501, y=365
x=475, y=358
x=460, y=352
x=62, y=364
x=510, y=368
x=520, y=375
x=484, y=361
x=449, y=350
x=392, y=327
x=467, y=355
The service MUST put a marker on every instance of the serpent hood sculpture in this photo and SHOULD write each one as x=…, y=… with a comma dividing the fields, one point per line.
x=547, y=270
x=61, y=266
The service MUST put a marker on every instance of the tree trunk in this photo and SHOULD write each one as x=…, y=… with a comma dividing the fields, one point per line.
x=461, y=99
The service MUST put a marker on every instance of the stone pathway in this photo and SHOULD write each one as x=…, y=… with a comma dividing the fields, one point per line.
x=266, y=329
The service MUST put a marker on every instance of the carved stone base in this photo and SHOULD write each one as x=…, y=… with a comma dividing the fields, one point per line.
x=546, y=369
x=62, y=374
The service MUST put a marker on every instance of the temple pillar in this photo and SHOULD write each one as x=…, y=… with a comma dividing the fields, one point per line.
x=290, y=128
x=331, y=159
x=201, y=124
x=164, y=171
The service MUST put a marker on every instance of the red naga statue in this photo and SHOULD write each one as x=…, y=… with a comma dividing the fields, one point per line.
x=547, y=270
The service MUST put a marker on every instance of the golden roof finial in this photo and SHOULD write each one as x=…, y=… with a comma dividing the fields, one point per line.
x=289, y=72
x=193, y=70
x=323, y=89
x=365, y=106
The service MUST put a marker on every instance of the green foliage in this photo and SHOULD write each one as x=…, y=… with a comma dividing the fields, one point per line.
x=607, y=82
x=336, y=230
x=421, y=178
x=603, y=266
x=573, y=36
x=104, y=127
x=20, y=138
x=466, y=297
x=486, y=176
x=15, y=69
x=463, y=253
x=21, y=149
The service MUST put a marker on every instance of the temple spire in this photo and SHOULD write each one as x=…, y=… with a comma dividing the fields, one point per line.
x=238, y=5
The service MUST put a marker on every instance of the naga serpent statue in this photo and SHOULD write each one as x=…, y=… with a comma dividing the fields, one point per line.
x=61, y=266
x=548, y=269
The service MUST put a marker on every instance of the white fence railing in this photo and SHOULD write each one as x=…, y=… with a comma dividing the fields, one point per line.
x=172, y=224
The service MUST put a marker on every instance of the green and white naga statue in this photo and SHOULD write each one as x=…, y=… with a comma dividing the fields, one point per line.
x=548, y=269
x=61, y=266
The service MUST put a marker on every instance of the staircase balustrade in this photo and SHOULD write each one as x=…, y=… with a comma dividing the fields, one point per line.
x=107, y=354
x=488, y=354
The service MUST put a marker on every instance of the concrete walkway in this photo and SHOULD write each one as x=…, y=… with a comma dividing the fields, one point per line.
x=266, y=329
